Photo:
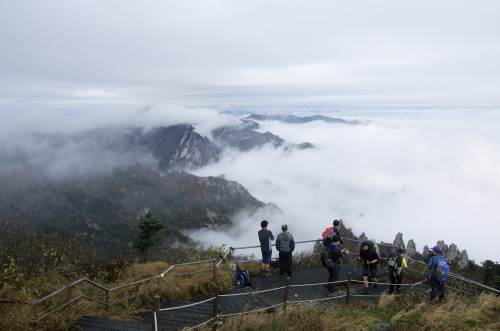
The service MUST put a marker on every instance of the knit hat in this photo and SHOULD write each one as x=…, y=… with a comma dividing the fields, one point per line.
x=436, y=249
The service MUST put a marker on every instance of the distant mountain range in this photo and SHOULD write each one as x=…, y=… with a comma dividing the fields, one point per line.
x=292, y=119
x=107, y=203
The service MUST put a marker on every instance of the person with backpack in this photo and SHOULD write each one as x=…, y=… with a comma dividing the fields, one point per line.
x=333, y=256
x=371, y=258
x=333, y=231
x=265, y=238
x=285, y=246
x=439, y=268
x=396, y=265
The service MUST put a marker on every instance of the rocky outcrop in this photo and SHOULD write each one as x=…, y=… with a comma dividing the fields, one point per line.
x=398, y=241
x=176, y=147
x=363, y=237
x=245, y=137
x=463, y=259
x=411, y=249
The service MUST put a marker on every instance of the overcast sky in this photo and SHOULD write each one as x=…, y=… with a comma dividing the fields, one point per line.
x=120, y=54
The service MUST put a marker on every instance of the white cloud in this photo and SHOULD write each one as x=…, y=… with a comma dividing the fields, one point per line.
x=433, y=176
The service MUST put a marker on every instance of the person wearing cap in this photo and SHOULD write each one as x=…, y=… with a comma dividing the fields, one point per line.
x=336, y=223
x=436, y=284
x=285, y=246
x=371, y=259
x=397, y=279
x=265, y=238
x=335, y=254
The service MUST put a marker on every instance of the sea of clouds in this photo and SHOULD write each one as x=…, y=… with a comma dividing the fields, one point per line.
x=430, y=174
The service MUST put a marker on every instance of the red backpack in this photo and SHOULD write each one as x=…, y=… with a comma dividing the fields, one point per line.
x=328, y=233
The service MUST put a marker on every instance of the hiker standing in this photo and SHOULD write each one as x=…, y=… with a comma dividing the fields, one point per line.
x=265, y=238
x=439, y=272
x=396, y=271
x=370, y=256
x=335, y=254
x=333, y=231
x=285, y=245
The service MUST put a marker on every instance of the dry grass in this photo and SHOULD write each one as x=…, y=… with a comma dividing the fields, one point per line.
x=457, y=312
x=21, y=316
x=401, y=313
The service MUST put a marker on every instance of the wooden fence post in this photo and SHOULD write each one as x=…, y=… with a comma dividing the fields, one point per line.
x=156, y=313
x=285, y=297
x=216, y=307
x=348, y=288
x=107, y=302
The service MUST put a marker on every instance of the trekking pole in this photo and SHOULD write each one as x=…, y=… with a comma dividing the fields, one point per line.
x=229, y=270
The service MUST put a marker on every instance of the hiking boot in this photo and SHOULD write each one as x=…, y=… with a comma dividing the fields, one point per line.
x=267, y=274
x=365, y=291
x=263, y=273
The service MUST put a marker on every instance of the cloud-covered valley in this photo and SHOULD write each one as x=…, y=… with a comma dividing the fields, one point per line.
x=432, y=175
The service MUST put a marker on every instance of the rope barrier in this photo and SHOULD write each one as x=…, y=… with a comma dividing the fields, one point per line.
x=195, y=327
x=252, y=293
x=252, y=311
x=318, y=284
x=321, y=299
x=189, y=305
x=385, y=284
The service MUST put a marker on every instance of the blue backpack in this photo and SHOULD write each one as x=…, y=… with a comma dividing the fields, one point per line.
x=441, y=268
x=242, y=278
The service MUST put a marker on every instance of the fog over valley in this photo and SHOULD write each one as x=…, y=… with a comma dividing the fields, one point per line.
x=432, y=175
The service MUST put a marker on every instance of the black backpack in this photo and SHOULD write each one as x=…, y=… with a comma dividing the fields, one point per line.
x=394, y=264
x=325, y=258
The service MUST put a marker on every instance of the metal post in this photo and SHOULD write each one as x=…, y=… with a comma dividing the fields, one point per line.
x=156, y=312
x=107, y=302
x=215, y=272
x=216, y=307
x=348, y=288
x=285, y=297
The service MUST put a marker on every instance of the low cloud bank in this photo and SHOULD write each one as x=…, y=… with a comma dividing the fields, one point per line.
x=432, y=175
x=61, y=144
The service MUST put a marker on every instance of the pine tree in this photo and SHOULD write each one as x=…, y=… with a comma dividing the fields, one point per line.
x=148, y=235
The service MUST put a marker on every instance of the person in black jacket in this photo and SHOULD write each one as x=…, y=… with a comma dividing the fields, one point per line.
x=371, y=259
x=335, y=254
